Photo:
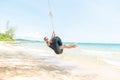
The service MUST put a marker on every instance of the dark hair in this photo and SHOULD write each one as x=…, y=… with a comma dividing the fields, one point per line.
x=45, y=38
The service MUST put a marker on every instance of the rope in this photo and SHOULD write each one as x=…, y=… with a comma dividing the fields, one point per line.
x=51, y=15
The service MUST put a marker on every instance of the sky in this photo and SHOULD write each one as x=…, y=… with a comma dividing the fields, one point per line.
x=95, y=21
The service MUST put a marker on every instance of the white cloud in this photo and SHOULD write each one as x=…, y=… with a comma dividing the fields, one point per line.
x=30, y=35
x=2, y=31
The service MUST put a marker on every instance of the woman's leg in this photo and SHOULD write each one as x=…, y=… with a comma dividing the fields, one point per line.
x=68, y=46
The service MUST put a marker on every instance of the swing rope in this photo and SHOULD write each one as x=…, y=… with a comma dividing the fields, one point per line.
x=51, y=15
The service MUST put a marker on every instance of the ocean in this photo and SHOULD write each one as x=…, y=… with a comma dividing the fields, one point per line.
x=97, y=52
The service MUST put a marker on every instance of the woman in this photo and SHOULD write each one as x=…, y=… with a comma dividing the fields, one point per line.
x=55, y=43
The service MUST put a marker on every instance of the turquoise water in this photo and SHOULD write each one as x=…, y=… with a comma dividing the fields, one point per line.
x=101, y=46
x=108, y=53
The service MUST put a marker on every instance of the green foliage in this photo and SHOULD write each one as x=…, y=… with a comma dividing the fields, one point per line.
x=8, y=35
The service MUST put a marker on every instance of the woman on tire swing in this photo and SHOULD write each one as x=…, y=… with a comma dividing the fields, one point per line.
x=55, y=43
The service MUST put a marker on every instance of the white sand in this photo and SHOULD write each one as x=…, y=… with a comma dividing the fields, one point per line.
x=15, y=65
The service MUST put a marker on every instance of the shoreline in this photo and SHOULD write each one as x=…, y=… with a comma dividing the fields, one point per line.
x=16, y=64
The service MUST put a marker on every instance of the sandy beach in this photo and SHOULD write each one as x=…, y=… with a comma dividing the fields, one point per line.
x=16, y=64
